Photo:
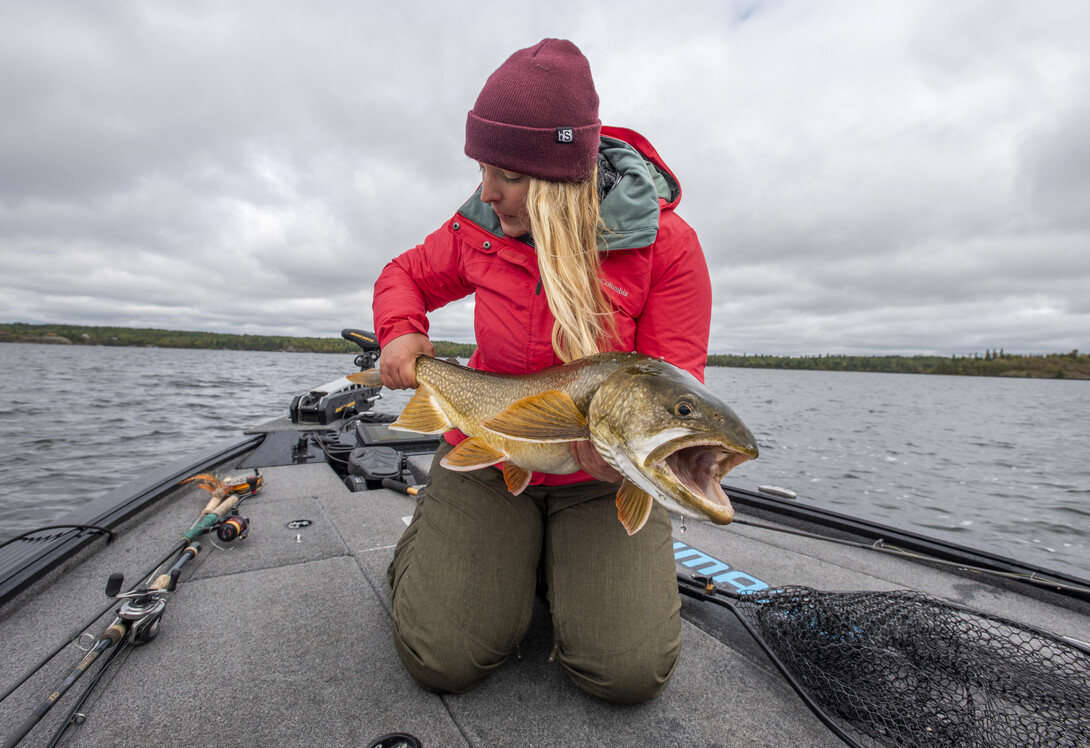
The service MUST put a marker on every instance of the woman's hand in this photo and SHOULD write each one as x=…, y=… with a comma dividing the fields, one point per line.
x=397, y=364
x=592, y=463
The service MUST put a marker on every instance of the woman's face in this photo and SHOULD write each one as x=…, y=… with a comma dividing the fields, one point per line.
x=505, y=191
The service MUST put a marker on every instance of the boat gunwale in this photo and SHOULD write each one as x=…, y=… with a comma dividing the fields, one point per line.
x=1026, y=576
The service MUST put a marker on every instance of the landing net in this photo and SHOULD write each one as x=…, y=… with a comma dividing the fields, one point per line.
x=901, y=668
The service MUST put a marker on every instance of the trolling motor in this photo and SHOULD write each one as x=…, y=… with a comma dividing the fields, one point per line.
x=340, y=397
x=368, y=343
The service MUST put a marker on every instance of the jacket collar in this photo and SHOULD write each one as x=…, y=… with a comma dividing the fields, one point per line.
x=633, y=185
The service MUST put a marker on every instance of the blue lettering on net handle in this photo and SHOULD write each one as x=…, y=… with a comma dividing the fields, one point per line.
x=718, y=571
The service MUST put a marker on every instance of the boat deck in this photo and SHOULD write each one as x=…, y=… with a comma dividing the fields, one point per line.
x=284, y=639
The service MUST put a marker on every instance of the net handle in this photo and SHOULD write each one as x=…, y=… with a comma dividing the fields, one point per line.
x=706, y=590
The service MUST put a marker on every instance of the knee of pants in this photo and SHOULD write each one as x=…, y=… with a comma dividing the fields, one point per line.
x=445, y=667
x=628, y=678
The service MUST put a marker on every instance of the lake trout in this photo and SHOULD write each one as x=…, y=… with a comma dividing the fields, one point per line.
x=657, y=425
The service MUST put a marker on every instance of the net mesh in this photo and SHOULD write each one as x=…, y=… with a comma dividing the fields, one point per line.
x=901, y=668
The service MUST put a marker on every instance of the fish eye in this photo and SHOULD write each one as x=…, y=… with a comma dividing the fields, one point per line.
x=684, y=408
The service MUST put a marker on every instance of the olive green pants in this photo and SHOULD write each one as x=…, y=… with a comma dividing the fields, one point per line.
x=465, y=572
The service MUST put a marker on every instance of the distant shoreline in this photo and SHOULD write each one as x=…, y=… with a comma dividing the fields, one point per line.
x=1073, y=365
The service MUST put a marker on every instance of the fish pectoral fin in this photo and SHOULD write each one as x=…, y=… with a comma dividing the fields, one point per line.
x=422, y=415
x=550, y=416
x=517, y=478
x=633, y=506
x=472, y=454
x=368, y=378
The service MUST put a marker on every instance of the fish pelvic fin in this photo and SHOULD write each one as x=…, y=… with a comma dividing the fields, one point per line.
x=422, y=415
x=368, y=378
x=473, y=454
x=517, y=478
x=550, y=416
x=633, y=506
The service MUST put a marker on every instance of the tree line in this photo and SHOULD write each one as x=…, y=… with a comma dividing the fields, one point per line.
x=993, y=363
x=997, y=362
x=146, y=337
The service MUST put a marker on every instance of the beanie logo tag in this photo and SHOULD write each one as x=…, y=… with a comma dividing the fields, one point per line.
x=565, y=135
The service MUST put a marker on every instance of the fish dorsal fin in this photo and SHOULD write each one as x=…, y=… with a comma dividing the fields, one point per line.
x=369, y=378
x=422, y=415
x=472, y=454
x=550, y=416
x=516, y=478
x=633, y=506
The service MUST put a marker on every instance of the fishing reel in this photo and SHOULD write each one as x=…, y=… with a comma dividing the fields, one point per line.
x=142, y=610
x=144, y=606
x=232, y=527
x=229, y=530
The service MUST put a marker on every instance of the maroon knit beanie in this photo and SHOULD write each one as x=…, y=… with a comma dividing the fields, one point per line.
x=538, y=114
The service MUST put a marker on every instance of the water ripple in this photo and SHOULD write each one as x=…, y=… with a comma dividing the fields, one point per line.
x=1003, y=459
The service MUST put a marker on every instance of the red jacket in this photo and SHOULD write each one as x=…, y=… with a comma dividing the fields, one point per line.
x=653, y=272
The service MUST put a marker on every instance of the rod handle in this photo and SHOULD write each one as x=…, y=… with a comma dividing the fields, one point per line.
x=399, y=486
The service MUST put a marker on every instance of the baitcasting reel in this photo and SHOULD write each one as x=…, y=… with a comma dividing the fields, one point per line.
x=142, y=610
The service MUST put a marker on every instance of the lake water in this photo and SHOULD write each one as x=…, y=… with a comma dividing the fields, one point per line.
x=998, y=464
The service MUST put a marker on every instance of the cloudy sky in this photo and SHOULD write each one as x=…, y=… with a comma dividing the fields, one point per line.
x=891, y=177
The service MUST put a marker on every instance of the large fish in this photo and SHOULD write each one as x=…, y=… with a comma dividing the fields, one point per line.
x=671, y=439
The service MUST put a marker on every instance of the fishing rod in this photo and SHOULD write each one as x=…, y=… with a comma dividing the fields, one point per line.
x=137, y=619
x=75, y=716
x=78, y=631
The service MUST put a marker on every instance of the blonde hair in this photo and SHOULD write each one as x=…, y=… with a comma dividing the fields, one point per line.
x=565, y=223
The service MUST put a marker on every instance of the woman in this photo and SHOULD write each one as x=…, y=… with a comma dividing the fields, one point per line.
x=571, y=246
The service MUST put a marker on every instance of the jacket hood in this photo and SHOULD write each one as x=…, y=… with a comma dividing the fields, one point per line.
x=634, y=184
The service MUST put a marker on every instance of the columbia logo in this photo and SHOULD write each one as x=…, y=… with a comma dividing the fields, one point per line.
x=618, y=289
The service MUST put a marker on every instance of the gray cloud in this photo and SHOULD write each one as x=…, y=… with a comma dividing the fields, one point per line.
x=894, y=178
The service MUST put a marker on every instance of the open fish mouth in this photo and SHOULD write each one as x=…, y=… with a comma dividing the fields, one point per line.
x=694, y=469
